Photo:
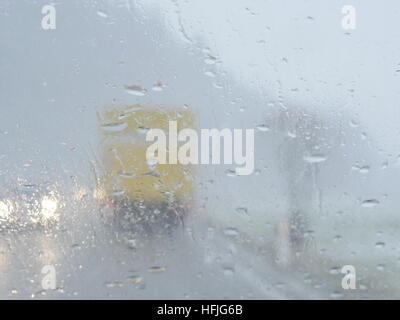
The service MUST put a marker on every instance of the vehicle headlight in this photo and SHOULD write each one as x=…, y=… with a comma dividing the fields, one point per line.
x=49, y=207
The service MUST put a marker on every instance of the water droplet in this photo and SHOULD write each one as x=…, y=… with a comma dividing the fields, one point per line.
x=135, y=279
x=334, y=270
x=379, y=244
x=242, y=210
x=230, y=173
x=131, y=243
x=143, y=130
x=113, y=284
x=337, y=238
x=364, y=169
x=369, y=203
x=217, y=85
x=228, y=271
x=118, y=193
x=135, y=90
x=114, y=126
x=123, y=116
x=126, y=175
x=380, y=267
x=133, y=108
x=336, y=295
x=315, y=158
x=363, y=136
x=210, y=74
x=76, y=246
x=153, y=174
x=362, y=286
x=41, y=292
x=158, y=86
x=156, y=269
x=354, y=123
x=232, y=232
x=102, y=14
x=263, y=128
x=210, y=59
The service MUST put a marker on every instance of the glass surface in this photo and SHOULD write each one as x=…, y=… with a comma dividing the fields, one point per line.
x=85, y=213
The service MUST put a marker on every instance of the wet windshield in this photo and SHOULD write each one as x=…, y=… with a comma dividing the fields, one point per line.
x=199, y=150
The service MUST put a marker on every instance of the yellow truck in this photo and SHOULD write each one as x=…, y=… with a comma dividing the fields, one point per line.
x=144, y=196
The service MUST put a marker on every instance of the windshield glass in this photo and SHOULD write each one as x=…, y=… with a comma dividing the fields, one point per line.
x=199, y=149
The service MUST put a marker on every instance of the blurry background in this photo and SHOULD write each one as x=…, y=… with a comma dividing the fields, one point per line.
x=324, y=105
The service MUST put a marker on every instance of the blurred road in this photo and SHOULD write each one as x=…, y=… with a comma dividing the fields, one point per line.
x=237, y=66
x=95, y=261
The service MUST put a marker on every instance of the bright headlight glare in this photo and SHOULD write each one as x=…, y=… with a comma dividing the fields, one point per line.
x=5, y=209
x=49, y=207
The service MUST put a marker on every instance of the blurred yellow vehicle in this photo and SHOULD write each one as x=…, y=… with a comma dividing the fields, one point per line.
x=144, y=196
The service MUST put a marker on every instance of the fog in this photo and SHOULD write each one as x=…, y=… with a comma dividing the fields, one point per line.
x=323, y=102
